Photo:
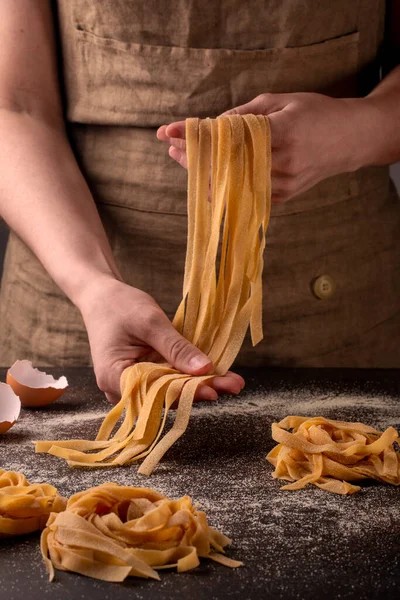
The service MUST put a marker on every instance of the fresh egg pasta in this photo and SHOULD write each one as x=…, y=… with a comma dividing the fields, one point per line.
x=25, y=507
x=110, y=532
x=331, y=454
x=229, y=202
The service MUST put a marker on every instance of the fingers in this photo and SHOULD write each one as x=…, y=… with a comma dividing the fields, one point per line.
x=161, y=135
x=272, y=105
x=177, y=142
x=205, y=392
x=178, y=155
x=177, y=350
x=267, y=104
x=174, y=135
x=176, y=130
x=229, y=384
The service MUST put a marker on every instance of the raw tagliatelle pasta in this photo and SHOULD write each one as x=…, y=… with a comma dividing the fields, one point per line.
x=110, y=532
x=329, y=454
x=229, y=196
x=25, y=507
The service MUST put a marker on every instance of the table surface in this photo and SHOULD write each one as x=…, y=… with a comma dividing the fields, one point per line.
x=305, y=544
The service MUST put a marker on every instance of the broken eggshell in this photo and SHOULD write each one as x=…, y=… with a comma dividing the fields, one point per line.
x=34, y=387
x=10, y=407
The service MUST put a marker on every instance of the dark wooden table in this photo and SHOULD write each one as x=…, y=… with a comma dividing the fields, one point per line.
x=306, y=544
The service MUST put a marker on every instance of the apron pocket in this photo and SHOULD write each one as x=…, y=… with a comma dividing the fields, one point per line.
x=116, y=83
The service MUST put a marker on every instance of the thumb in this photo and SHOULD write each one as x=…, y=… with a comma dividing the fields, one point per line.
x=178, y=351
x=264, y=104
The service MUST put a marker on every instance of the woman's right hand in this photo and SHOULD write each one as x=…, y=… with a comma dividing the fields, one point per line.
x=126, y=325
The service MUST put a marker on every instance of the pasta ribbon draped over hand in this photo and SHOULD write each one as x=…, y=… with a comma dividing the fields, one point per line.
x=25, y=508
x=329, y=454
x=110, y=532
x=229, y=201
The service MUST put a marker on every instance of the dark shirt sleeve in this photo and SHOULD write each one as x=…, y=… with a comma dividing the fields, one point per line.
x=391, y=47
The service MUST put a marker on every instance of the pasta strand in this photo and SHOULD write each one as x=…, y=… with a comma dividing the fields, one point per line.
x=229, y=203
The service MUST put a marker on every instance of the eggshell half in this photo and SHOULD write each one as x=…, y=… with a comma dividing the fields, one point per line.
x=10, y=407
x=34, y=387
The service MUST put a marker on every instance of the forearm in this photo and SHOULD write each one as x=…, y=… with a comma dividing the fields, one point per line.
x=382, y=122
x=45, y=200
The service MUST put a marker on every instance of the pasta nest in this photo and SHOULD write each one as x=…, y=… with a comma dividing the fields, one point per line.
x=110, y=532
x=25, y=507
x=329, y=454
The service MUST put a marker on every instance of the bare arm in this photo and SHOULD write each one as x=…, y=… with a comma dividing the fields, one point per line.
x=45, y=200
x=384, y=100
x=384, y=105
x=43, y=196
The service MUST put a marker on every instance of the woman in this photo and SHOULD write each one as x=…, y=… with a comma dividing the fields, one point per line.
x=102, y=210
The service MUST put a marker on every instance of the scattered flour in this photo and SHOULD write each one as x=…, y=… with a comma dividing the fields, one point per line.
x=220, y=462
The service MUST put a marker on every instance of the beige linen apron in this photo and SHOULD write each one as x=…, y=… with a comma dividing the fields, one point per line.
x=130, y=66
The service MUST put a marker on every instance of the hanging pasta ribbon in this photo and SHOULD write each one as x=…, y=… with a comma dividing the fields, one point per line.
x=222, y=291
x=329, y=454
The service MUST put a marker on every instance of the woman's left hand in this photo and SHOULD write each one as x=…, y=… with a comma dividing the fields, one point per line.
x=313, y=137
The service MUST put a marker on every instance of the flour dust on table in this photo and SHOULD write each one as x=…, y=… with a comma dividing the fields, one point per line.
x=281, y=537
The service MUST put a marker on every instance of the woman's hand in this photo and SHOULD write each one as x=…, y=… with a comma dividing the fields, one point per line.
x=313, y=137
x=126, y=325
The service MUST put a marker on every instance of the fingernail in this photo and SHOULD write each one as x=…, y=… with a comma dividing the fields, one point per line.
x=198, y=362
